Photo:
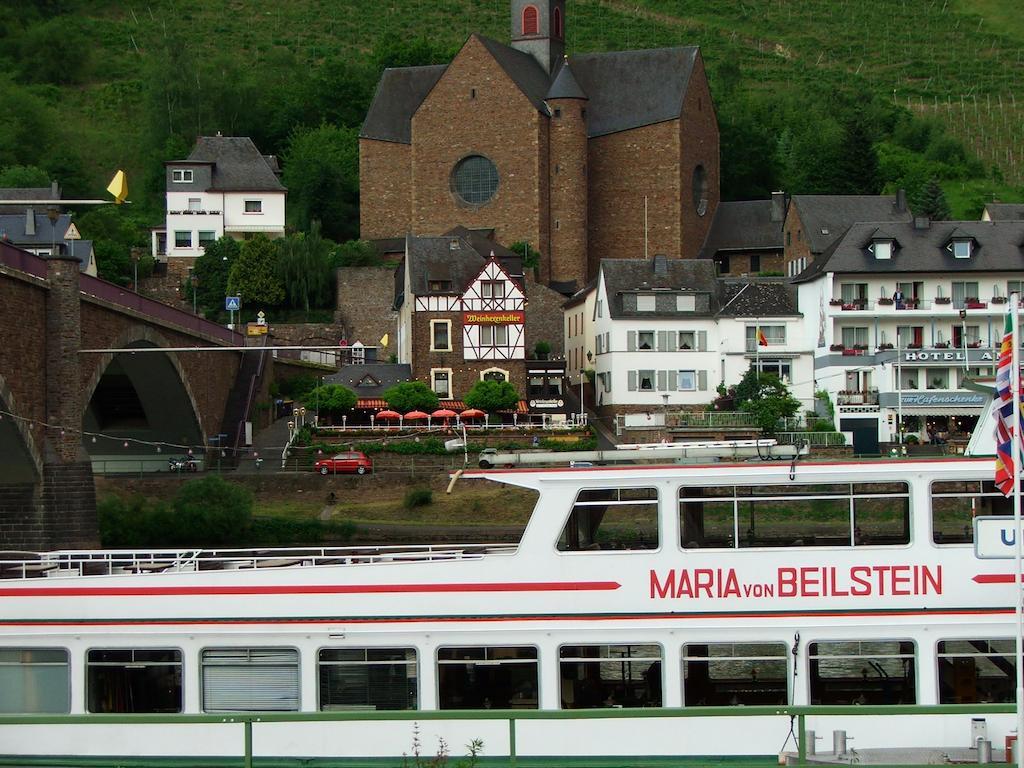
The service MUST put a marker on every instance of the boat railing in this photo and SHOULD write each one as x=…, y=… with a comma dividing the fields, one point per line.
x=23, y=565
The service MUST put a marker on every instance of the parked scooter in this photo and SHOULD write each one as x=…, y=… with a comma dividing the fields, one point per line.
x=182, y=464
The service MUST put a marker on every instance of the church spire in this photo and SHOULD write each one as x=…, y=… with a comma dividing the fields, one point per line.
x=538, y=28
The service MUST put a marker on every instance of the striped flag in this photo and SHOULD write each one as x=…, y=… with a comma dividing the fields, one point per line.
x=1003, y=412
x=762, y=340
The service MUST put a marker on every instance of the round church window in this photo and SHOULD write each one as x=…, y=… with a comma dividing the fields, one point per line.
x=475, y=180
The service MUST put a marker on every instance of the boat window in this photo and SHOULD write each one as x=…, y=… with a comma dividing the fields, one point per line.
x=367, y=678
x=612, y=518
x=977, y=671
x=133, y=680
x=34, y=681
x=795, y=515
x=730, y=674
x=594, y=676
x=250, y=680
x=501, y=677
x=955, y=504
x=868, y=672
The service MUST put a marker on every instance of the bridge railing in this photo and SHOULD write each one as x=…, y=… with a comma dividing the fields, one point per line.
x=23, y=261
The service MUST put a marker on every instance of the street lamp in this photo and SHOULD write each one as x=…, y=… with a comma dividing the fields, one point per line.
x=194, y=281
x=664, y=412
x=582, y=374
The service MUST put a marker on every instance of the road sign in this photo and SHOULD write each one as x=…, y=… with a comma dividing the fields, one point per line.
x=72, y=233
x=232, y=303
x=994, y=538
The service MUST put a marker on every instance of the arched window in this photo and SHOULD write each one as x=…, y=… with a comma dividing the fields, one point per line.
x=558, y=23
x=531, y=21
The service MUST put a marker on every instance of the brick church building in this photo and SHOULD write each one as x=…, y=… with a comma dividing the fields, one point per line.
x=604, y=155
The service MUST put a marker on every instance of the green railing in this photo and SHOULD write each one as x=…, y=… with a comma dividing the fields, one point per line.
x=811, y=438
x=798, y=715
x=723, y=419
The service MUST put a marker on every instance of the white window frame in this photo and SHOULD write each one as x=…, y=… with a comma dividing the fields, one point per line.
x=493, y=338
x=433, y=382
x=680, y=378
x=652, y=346
x=492, y=289
x=681, y=341
x=202, y=232
x=183, y=232
x=640, y=377
x=962, y=249
x=686, y=303
x=649, y=301
x=258, y=204
x=182, y=175
x=195, y=204
x=448, y=327
x=287, y=665
x=883, y=249
x=493, y=369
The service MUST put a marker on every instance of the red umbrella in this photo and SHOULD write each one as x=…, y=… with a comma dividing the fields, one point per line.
x=415, y=415
x=472, y=413
x=390, y=415
x=443, y=413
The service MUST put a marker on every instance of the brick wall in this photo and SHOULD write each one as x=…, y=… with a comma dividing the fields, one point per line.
x=385, y=189
x=22, y=522
x=69, y=501
x=699, y=147
x=795, y=242
x=64, y=405
x=365, y=299
x=498, y=122
x=22, y=356
x=740, y=262
x=544, y=318
x=568, y=184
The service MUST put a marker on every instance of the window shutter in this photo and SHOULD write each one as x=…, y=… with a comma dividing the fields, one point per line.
x=702, y=380
x=631, y=341
x=632, y=381
x=662, y=381
x=702, y=341
x=258, y=680
x=673, y=380
x=663, y=343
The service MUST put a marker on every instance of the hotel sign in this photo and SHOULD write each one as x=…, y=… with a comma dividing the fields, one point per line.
x=945, y=399
x=926, y=356
x=516, y=317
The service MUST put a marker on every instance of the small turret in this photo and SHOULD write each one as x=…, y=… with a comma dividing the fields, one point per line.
x=538, y=28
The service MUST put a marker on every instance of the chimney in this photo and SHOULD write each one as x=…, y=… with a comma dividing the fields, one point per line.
x=921, y=222
x=901, y=200
x=54, y=190
x=30, y=221
x=660, y=264
x=778, y=206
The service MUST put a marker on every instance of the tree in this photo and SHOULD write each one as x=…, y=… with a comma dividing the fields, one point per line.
x=531, y=258
x=932, y=202
x=321, y=171
x=21, y=176
x=858, y=163
x=114, y=230
x=492, y=396
x=254, y=275
x=211, y=271
x=332, y=399
x=766, y=397
x=304, y=266
x=356, y=253
x=211, y=510
x=411, y=396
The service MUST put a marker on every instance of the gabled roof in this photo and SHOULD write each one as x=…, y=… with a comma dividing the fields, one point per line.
x=742, y=226
x=358, y=378
x=630, y=89
x=660, y=276
x=758, y=298
x=481, y=241
x=1005, y=211
x=12, y=229
x=440, y=259
x=626, y=89
x=25, y=193
x=399, y=94
x=237, y=165
x=997, y=249
x=581, y=295
x=826, y=218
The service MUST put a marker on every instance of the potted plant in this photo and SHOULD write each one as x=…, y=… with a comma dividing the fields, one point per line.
x=975, y=303
x=542, y=349
x=885, y=301
x=860, y=347
x=835, y=302
x=836, y=348
x=885, y=345
x=913, y=345
x=910, y=303
x=998, y=299
x=942, y=299
x=974, y=344
x=941, y=344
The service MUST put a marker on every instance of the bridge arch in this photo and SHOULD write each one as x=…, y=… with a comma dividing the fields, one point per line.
x=23, y=459
x=145, y=397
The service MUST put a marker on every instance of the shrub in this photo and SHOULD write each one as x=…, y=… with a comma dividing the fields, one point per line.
x=411, y=396
x=289, y=530
x=210, y=510
x=419, y=497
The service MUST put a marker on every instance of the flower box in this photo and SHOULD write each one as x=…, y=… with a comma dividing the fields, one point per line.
x=835, y=302
x=913, y=346
x=885, y=345
x=910, y=303
x=850, y=352
x=883, y=302
x=974, y=344
x=837, y=348
x=860, y=347
x=998, y=299
x=942, y=300
x=941, y=344
x=975, y=304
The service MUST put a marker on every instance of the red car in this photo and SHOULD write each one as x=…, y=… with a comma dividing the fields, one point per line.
x=352, y=461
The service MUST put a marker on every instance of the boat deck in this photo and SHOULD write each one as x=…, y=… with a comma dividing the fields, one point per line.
x=28, y=565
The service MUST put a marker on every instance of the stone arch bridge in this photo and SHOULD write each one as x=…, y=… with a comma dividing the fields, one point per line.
x=62, y=403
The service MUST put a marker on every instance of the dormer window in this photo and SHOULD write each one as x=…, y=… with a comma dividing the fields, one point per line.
x=962, y=249
x=645, y=303
x=686, y=303
x=181, y=175
x=882, y=249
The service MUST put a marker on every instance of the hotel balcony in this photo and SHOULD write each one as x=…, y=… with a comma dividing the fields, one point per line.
x=939, y=305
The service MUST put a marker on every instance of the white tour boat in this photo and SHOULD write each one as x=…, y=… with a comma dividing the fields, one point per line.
x=638, y=596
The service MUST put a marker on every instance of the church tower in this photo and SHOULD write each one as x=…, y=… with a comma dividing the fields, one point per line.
x=538, y=28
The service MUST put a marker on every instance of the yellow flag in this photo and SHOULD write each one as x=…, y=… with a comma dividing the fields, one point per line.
x=384, y=340
x=119, y=187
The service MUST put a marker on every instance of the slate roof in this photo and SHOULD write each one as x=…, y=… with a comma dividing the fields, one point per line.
x=743, y=225
x=481, y=242
x=399, y=94
x=565, y=85
x=360, y=378
x=24, y=193
x=237, y=165
x=447, y=259
x=826, y=218
x=997, y=248
x=758, y=298
x=626, y=89
x=12, y=229
x=1005, y=211
x=640, y=276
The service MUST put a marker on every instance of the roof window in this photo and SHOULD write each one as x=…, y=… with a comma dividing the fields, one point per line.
x=882, y=249
x=962, y=249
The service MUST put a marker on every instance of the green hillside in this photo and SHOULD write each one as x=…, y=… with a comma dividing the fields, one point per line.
x=93, y=85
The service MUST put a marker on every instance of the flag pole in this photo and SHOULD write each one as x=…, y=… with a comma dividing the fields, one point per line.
x=1016, y=454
